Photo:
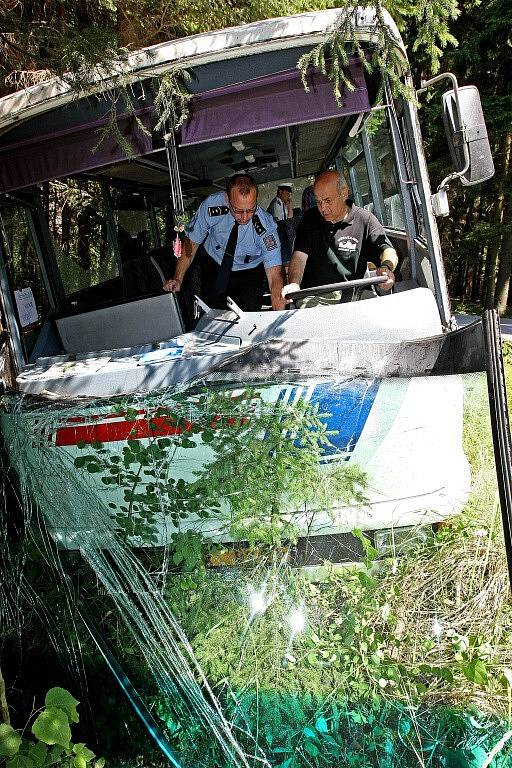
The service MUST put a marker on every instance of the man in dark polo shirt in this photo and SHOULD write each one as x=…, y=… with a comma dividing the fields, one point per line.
x=335, y=241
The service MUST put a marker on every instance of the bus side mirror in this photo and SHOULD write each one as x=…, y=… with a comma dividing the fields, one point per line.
x=466, y=134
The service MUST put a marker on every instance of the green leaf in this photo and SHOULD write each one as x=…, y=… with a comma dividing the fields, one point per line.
x=311, y=748
x=59, y=697
x=20, y=761
x=476, y=672
x=81, y=750
x=38, y=753
x=55, y=754
x=404, y=727
x=10, y=740
x=506, y=679
x=321, y=725
x=52, y=727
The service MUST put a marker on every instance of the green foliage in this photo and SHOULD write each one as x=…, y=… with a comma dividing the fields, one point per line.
x=360, y=685
x=172, y=100
x=143, y=471
x=53, y=745
x=187, y=549
x=62, y=699
x=10, y=740
x=270, y=463
x=264, y=461
x=298, y=730
x=52, y=727
x=431, y=21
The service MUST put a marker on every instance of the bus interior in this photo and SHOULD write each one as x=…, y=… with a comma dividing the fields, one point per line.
x=91, y=241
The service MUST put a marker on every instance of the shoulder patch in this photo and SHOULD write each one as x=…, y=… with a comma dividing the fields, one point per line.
x=270, y=242
x=258, y=226
x=218, y=210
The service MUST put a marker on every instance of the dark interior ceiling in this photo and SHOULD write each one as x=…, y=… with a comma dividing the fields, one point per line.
x=281, y=153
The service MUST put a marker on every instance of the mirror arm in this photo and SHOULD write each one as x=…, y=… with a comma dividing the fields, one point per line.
x=440, y=199
x=426, y=84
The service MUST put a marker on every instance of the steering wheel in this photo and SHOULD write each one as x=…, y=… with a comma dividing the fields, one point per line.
x=319, y=290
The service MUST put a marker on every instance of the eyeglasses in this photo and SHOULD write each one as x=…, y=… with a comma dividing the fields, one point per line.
x=240, y=211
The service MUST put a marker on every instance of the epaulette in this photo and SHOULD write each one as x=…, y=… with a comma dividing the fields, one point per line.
x=218, y=210
x=258, y=226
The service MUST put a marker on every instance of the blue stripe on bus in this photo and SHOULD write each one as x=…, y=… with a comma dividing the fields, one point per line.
x=347, y=407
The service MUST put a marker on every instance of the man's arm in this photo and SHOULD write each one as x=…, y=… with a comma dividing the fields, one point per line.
x=275, y=283
x=388, y=256
x=295, y=273
x=183, y=263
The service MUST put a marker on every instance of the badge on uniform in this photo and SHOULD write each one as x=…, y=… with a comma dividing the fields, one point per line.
x=258, y=226
x=218, y=210
x=270, y=242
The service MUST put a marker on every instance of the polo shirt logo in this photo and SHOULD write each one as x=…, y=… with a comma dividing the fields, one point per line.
x=345, y=242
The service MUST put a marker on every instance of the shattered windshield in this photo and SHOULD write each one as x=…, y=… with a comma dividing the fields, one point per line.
x=289, y=571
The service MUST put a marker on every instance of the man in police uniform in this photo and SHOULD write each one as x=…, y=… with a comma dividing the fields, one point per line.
x=281, y=205
x=237, y=240
x=335, y=241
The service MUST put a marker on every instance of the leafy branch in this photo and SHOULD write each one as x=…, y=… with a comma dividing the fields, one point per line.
x=331, y=56
x=265, y=463
x=172, y=99
x=52, y=731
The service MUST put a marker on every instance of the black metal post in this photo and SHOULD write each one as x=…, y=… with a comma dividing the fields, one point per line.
x=500, y=424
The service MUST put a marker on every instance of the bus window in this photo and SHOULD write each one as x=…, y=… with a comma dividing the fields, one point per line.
x=351, y=163
x=85, y=254
x=164, y=224
x=30, y=298
x=392, y=210
x=405, y=132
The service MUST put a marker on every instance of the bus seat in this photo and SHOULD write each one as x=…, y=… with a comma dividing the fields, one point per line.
x=144, y=321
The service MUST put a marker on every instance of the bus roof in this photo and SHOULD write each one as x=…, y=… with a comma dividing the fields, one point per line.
x=225, y=44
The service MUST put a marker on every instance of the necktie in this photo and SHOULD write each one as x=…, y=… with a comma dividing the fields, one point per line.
x=221, y=285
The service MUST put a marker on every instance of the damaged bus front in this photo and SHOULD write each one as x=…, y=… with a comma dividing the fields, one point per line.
x=122, y=392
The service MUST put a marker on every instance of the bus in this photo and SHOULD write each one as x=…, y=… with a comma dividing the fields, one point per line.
x=100, y=363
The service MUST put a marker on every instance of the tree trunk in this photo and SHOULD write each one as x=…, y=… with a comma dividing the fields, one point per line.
x=499, y=201
x=124, y=24
x=84, y=236
x=476, y=291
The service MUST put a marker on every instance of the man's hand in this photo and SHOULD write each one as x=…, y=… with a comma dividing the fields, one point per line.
x=387, y=286
x=290, y=288
x=172, y=285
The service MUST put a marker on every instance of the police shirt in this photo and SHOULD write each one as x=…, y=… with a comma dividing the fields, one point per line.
x=339, y=252
x=257, y=240
x=277, y=209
